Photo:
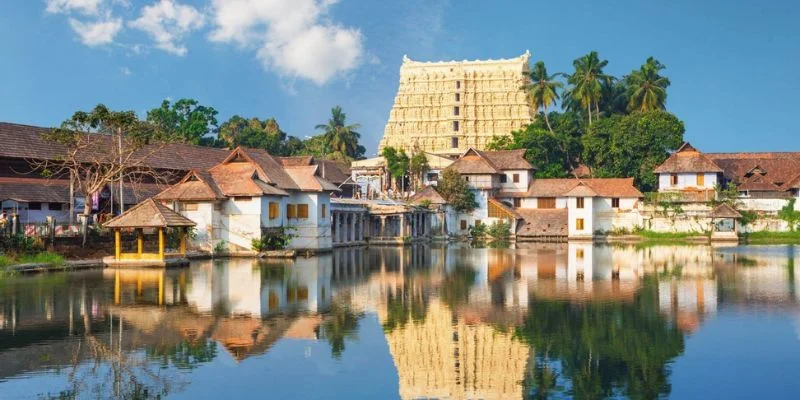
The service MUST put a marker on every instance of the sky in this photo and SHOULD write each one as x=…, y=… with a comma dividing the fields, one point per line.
x=733, y=64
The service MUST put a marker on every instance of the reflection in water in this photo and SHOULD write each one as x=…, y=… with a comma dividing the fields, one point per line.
x=540, y=321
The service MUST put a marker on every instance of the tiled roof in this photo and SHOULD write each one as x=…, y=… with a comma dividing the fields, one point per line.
x=270, y=169
x=687, y=159
x=149, y=214
x=780, y=169
x=491, y=162
x=759, y=183
x=195, y=186
x=542, y=222
x=57, y=190
x=605, y=187
x=429, y=193
x=508, y=159
x=725, y=211
x=239, y=179
x=25, y=141
x=333, y=171
x=306, y=179
x=473, y=163
x=296, y=160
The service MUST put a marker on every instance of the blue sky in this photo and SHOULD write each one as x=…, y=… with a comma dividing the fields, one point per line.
x=733, y=64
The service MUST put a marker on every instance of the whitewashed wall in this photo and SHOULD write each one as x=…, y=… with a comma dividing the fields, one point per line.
x=521, y=186
x=587, y=213
x=685, y=181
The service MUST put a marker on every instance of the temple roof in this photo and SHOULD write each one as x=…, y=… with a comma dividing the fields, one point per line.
x=429, y=193
x=725, y=211
x=149, y=214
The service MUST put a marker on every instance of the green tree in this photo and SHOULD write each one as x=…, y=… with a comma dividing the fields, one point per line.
x=790, y=215
x=632, y=145
x=417, y=167
x=341, y=139
x=543, y=90
x=260, y=134
x=646, y=89
x=455, y=191
x=586, y=83
x=340, y=324
x=185, y=121
x=397, y=163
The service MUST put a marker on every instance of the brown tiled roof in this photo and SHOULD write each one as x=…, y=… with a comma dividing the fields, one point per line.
x=295, y=161
x=195, y=186
x=270, y=169
x=605, y=187
x=542, y=222
x=25, y=141
x=333, y=171
x=780, y=169
x=759, y=183
x=57, y=190
x=307, y=180
x=687, y=159
x=582, y=171
x=241, y=179
x=149, y=214
x=725, y=211
x=429, y=193
x=490, y=162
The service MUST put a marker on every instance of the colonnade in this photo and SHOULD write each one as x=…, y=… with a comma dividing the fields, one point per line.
x=348, y=227
x=413, y=225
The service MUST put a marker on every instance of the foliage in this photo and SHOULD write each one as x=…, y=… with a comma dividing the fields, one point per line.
x=646, y=89
x=768, y=237
x=397, y=164
x=186, y=121
x=790, y=215
x=274, y=239
x=407, y=305
x=220, y=249
x=602, y=349
x=20, y=245
x=417, y=167
x=455, y=191
x=341, y=139
x=499, y=230
x=456, y=285
x=47, y=258
x=586, y=85
x=186, y=354
x=632, y=145
x=543, y=90
x=258, y=134
x=477, y=231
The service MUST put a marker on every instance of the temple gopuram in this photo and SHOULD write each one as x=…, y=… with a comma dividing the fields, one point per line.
x=447, y=107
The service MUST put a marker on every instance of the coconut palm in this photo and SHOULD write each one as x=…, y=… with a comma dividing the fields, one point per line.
x=341, y=139
x=543, y=90
x=646, y=89
x=586, y=83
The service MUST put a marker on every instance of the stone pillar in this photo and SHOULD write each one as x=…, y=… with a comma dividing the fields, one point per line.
x=333, y=226
x=349, y=222
x=383, y=225
x=340, y=228
x=402, y=225
x=360, y=219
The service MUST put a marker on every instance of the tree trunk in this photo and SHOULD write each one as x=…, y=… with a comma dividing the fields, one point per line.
x=547, y=120
x=589, y=109
x=87, y=211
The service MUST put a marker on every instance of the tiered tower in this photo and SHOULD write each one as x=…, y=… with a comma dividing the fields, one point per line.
x=447, y=107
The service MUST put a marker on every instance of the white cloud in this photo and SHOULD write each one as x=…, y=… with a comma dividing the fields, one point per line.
x=125, y=71
x=97, y=33
x=87, y=7
x=294, y=37
x=166, y=22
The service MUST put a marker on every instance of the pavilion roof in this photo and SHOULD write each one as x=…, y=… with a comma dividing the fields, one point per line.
x=149, y=214
x=725, y=211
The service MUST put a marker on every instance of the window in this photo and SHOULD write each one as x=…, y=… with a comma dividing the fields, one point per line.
x=673, y=179
x=291, y=211
x=463, y=224
x=701, y=180
x=455, y=126
x=302, y=211
x=273, y=210
x=579, y=224
x=579, y=202
x=615, y=202
x=454, y=142
x=579, y=254
x=515, y=178
x=517, y=202
x=503, y=178
x=433, y=176
x=324, y=211
x=55, y=206
x=34, y=205
x=188, y=206
x=458, y=84
x=546, y=202
x=458, y=96
x=456, y=110
x=466, y=178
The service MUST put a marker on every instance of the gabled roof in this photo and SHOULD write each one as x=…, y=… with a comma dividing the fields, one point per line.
x=149, y=214
x=724, y=211
x=307, y=180
x=542, y=222
x=242, y=179
x=429, y=193
x=473, y=162
x=289, y=161
x=508, y=159
x=269, y=169
x=759, y=183
x=780, y=168
x=603, y=187
x=195, y=186
x=687, y=159
x=506, y=209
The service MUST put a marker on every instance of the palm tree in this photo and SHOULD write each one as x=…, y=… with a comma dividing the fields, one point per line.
x=543, y=90
x=586, y=83
x=341, y=139
x=647, y=90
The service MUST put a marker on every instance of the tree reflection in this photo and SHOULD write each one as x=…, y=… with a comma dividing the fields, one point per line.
x=186, y=354
x=410, y=304
x=456, y=286
x=340, y=324
x=602, y=349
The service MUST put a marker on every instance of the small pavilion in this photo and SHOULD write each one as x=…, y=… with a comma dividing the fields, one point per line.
x=723, y=219
x=148, y=214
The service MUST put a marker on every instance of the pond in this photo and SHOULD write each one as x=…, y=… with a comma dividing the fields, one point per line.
x=540, y=321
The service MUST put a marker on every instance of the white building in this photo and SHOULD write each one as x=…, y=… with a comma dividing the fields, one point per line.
x=251, y=193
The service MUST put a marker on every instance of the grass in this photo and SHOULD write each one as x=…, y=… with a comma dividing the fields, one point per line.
x=765, y=237
x=45, y=257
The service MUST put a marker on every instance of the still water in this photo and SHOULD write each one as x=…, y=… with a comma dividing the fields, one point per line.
x=540, y=321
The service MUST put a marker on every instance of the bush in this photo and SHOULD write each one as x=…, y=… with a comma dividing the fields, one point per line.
x=500, y=230
x=273, y=239
x=19, y=244
x=221, y=248
x=477, y=231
